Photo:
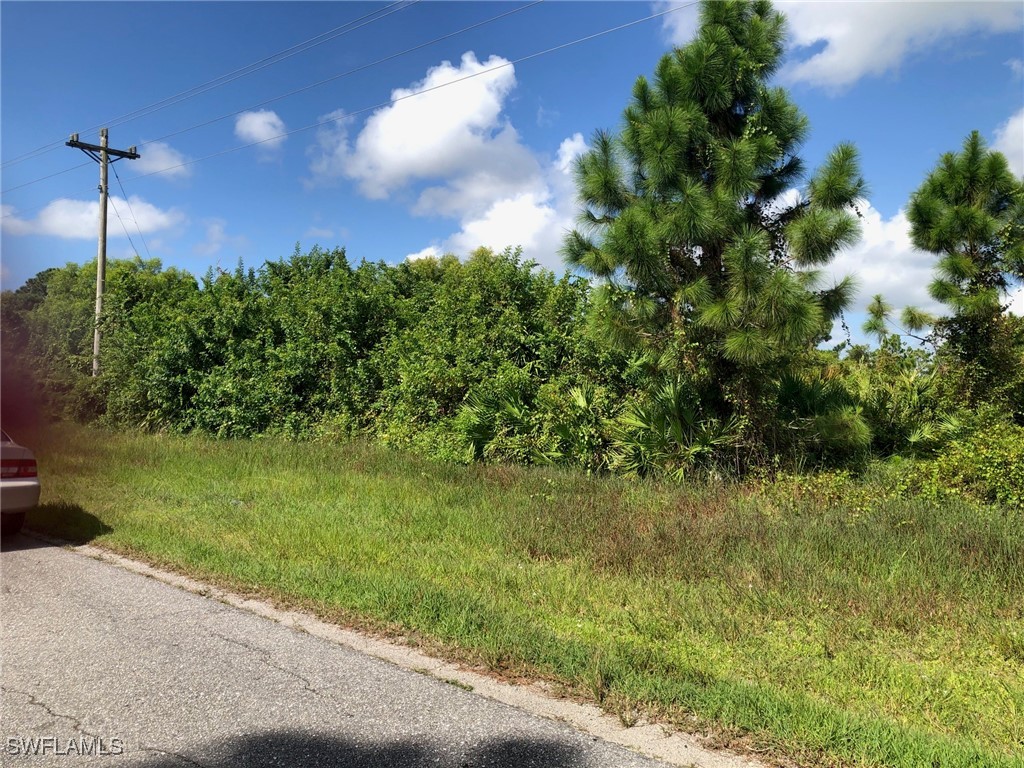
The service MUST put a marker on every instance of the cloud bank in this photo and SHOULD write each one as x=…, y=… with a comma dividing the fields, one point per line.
x=859, y=39
x=79, y=219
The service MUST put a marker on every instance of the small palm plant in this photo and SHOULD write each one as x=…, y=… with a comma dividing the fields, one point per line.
x=667, y=433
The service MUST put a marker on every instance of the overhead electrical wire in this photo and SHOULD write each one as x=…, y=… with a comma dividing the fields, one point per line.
x=134, y=218
x=390, y=102
x=306, y=87
x=343, y=74
x=228, y=79
x=44, y=178
x=118, y=215
x=224, y=79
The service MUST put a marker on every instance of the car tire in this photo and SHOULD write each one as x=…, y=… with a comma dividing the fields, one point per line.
x=11, y=524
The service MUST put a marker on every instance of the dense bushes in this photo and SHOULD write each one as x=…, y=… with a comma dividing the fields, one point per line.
x=308, y=346
x=488, y=359
x=487, y=330
x=988, y=465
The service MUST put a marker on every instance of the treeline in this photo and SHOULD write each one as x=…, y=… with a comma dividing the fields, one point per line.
x=699, y=343
x=488, y=358
x=308, y=346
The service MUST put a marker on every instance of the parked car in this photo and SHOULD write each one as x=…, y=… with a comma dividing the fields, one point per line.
x=19, y=484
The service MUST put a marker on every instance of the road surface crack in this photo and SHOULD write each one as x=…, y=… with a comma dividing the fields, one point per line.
x=266, y=658
x=76, y=723
x=169, y=753
x=214, y=611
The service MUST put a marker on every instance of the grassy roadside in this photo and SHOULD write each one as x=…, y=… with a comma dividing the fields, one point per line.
x=825, y=622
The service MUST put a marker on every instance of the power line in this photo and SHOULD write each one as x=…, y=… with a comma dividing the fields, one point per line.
x=123, y=226
x=390, y=102
x=307, y=87
x=343, y=74
x=38, y=152
x=129, y=204
x=44, y=178
x=321, y=123
x=216, y=82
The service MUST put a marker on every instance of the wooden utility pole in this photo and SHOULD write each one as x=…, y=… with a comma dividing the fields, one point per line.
x=101, y=154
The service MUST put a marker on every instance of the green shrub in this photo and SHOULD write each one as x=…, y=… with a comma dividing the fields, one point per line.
x=498, y=419
x=989, y=466
x=578, y=417
x=665, y=432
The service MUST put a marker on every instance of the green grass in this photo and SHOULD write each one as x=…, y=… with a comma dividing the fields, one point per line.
x=817, y=618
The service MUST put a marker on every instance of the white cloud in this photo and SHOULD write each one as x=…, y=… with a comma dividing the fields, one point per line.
x=865, y=38
x=546, y=117
x=463, y=159
x=523, y=220
x=537, y=218
x=13, y=225
x=79, y=219
x=1009, y=139
x=263, y=126
x=217, y=237
x=568, y=151
x=786, y=200
x=158, y=157
x=1017, y=67
x=886, y=262
x=872, y=38
x=503, y=168
x=453, y=131
x=681, y=24
x=330, y=155
x=430, y=252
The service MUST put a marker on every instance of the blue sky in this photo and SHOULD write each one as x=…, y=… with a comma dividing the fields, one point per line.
x=484, y=161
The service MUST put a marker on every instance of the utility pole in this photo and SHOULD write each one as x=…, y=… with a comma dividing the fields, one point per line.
x=101, y=154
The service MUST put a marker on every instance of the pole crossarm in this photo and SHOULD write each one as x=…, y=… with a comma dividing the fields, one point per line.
x=93, y=149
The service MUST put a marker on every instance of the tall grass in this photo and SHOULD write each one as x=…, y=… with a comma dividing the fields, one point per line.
x=818, y=617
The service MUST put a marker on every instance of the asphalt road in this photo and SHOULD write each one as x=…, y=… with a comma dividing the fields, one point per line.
x=96, y=658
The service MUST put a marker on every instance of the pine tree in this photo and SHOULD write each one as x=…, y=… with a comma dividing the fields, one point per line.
x=970, y=212
x=708, y=265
